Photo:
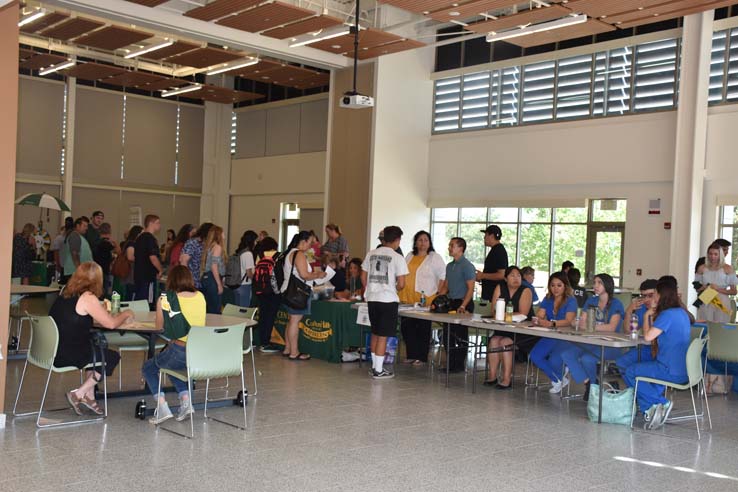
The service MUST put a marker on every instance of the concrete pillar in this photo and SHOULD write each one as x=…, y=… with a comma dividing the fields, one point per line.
x=691, y=139
x=8, y=134
x=216, y=165
x=68, y=178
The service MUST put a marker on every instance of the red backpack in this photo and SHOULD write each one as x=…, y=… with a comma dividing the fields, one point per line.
x=264, y=281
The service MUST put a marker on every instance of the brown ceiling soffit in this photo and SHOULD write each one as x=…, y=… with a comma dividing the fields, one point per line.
x=44, y=22
x=290, y=73
x=368, y=38
x=386, y=49
x=148, y=3
x=598, y=8
x=176, y=49
x=133, y=79
x=164, y=84
x=42, y=61
x=92, y=71
x=256, y=72
x=589, y=28
x=266, y=16
x=205, y=57
x=471, y=9
x=112, y=38
x=220, y=8
x=223, y=95
x=532, y=16
x=318, y=81
x=664, y=11
x=71, y=29
x=421, y=6
x=313, y=24
x=25, y=54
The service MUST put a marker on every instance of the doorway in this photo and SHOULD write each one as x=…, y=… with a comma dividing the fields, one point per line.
x=605, y=251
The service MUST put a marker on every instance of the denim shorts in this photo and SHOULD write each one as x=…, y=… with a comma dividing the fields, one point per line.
x=304, y=312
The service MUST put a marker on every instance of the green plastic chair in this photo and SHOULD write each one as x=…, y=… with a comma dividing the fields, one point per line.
x=722, y=345
x=695, y=378
x=211, y=353
x=129, y=342
x=248, y=341
x=41, y=353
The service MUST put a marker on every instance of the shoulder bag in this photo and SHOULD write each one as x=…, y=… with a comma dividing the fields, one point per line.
x=298, y=292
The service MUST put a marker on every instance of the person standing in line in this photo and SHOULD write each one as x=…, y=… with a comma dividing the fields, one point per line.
x=24, y=251
x=103, y=255
x=383, y=273
x=57, y=245
x=191, y=255
x=266, y=289
x=93, y=232
x=184, y=235
x=129, y=249
x=426, y=272
x=147, y=265
x=246, y=257
x=212, y=268
x=459, y=287
x=495, y=264
x=76, y=248
x=720, y=276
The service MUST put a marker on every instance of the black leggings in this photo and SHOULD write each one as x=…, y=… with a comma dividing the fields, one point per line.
x=112, y=359
x=417, y=335
x=268, y=307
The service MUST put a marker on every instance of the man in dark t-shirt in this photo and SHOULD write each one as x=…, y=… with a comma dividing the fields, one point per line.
x=495, y=263
x=580, y=294
x=103, y=254
x=147, y=264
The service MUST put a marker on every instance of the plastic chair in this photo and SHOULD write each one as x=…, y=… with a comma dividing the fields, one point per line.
x=722, y=345
x=129, y=342
x=695, y=378
x=41, y=353
x=248, y=342
x=211, y=353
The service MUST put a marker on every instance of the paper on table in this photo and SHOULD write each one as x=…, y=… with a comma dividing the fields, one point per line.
x=329, y=273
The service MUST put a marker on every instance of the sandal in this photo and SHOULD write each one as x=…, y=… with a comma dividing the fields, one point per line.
x=490, y=382
x=91, y=405
x=74, y=402
x=301, y=356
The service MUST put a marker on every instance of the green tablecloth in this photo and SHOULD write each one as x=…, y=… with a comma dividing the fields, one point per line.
x=326, y=332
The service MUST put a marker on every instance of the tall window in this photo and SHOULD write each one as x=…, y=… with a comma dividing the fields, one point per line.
x=724, y=67
x=728, y=227
x=539, y=237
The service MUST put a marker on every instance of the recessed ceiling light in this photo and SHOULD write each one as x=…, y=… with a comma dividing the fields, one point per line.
x=640, y=8
x=603, y=17
x=655, y=15
x=425, y=12
x=454, y=14
x=336, y=46
x=454, y=4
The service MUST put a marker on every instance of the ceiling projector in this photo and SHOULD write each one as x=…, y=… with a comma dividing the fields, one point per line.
x=354, y=100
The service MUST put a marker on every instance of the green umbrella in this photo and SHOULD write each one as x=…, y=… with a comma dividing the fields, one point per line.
x=43, y=200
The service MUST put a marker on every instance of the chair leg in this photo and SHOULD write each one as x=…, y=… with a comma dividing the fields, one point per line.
x=694, y=408
x=707, y=405
x=243, y=389
x=43, y=400
x=253, y=366
x=207, y=388
x=633, y=411
x=192, y=417
x=17, y=395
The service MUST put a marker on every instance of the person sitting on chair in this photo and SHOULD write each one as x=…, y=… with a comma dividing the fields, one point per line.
x=179, y=308
x=75, y=311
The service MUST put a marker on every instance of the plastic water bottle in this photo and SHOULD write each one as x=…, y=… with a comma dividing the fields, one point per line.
x=634, y=326
x=508, y=312
x=115, y=303
x=578, y=318
x=422, y=298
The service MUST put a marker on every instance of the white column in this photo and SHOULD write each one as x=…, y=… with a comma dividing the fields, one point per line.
x=68, y=178
x=216, y=165
x=689, y=155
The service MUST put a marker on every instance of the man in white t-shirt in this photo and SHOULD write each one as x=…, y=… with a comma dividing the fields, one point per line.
x=383, y=273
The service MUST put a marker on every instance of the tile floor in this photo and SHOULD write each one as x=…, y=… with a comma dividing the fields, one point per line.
x=320, y=426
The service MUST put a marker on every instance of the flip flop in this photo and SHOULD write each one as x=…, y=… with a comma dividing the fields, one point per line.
x=74, y=402
x=301, y=356
x=285, y=354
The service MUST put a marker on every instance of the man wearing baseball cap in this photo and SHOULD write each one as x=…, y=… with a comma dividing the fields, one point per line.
x=495, y=263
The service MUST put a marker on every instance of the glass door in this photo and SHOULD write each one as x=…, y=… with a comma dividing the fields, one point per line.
x=605, y=252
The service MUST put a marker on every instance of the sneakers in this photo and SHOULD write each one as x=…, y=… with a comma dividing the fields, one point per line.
x=162, y=414
x=654, y=416
x=662, y=413
x=385, y=374
x=185, y=409
x=269, y=349
x=557, y=386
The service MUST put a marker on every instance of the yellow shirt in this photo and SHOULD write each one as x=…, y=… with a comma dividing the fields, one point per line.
x=193, y=308
x=408, y=294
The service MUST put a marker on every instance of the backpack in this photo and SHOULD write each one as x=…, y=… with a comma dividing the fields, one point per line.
x=264, y=281
x=175, y=324
x=121, y=267
x=233, y=274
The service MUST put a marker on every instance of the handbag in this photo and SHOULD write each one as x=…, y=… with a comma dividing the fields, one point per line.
x=617, y=405
x=121, y=266
x=298, y=292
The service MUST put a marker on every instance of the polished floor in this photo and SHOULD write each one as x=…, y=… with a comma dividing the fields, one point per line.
x=320, y=426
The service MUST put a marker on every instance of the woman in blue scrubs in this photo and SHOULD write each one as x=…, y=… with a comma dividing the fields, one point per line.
x=669, y=324
x=557, y=310
x=582, y=359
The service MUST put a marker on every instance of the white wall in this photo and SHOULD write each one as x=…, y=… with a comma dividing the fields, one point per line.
x=399, y=163
x=558, y=164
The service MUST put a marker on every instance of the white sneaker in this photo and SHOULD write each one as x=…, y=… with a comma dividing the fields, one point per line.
x=565, y=381
x=185, y=410
x=162, y=414
x=656, y=417
x=556, y=387
x=659, y=419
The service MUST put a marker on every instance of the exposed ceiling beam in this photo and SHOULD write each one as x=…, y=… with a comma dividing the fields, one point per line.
x=164, y=21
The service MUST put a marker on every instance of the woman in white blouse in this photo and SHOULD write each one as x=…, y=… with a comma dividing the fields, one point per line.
x=427, y=271
x=720, y=276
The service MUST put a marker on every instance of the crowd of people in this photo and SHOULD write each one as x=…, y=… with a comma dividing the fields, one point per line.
x=199, y=270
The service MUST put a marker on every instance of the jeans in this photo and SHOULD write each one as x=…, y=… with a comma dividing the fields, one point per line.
x=582, y=360
x=210, y=291
x=268, y=307
x=243, y=295
x=173, y=357
x=650, y=394
x=546, y=355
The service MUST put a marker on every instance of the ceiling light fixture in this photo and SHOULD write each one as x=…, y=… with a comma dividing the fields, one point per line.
x=181, y=90
x=321, y=35
x=32, y=17
x=535, y=28
x=149, y=49
x=251, y=61
x=56, y=68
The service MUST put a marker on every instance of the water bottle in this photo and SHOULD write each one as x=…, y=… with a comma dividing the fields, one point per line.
x=578, y=319
x=422, y=298
x=634, y=326
x=591, y=319
x=115, y=303
x=508, y=312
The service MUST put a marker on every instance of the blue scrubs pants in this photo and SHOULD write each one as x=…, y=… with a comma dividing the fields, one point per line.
x=546, y=355
x=631, y=357
x=650, y=394
x=582, y=360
